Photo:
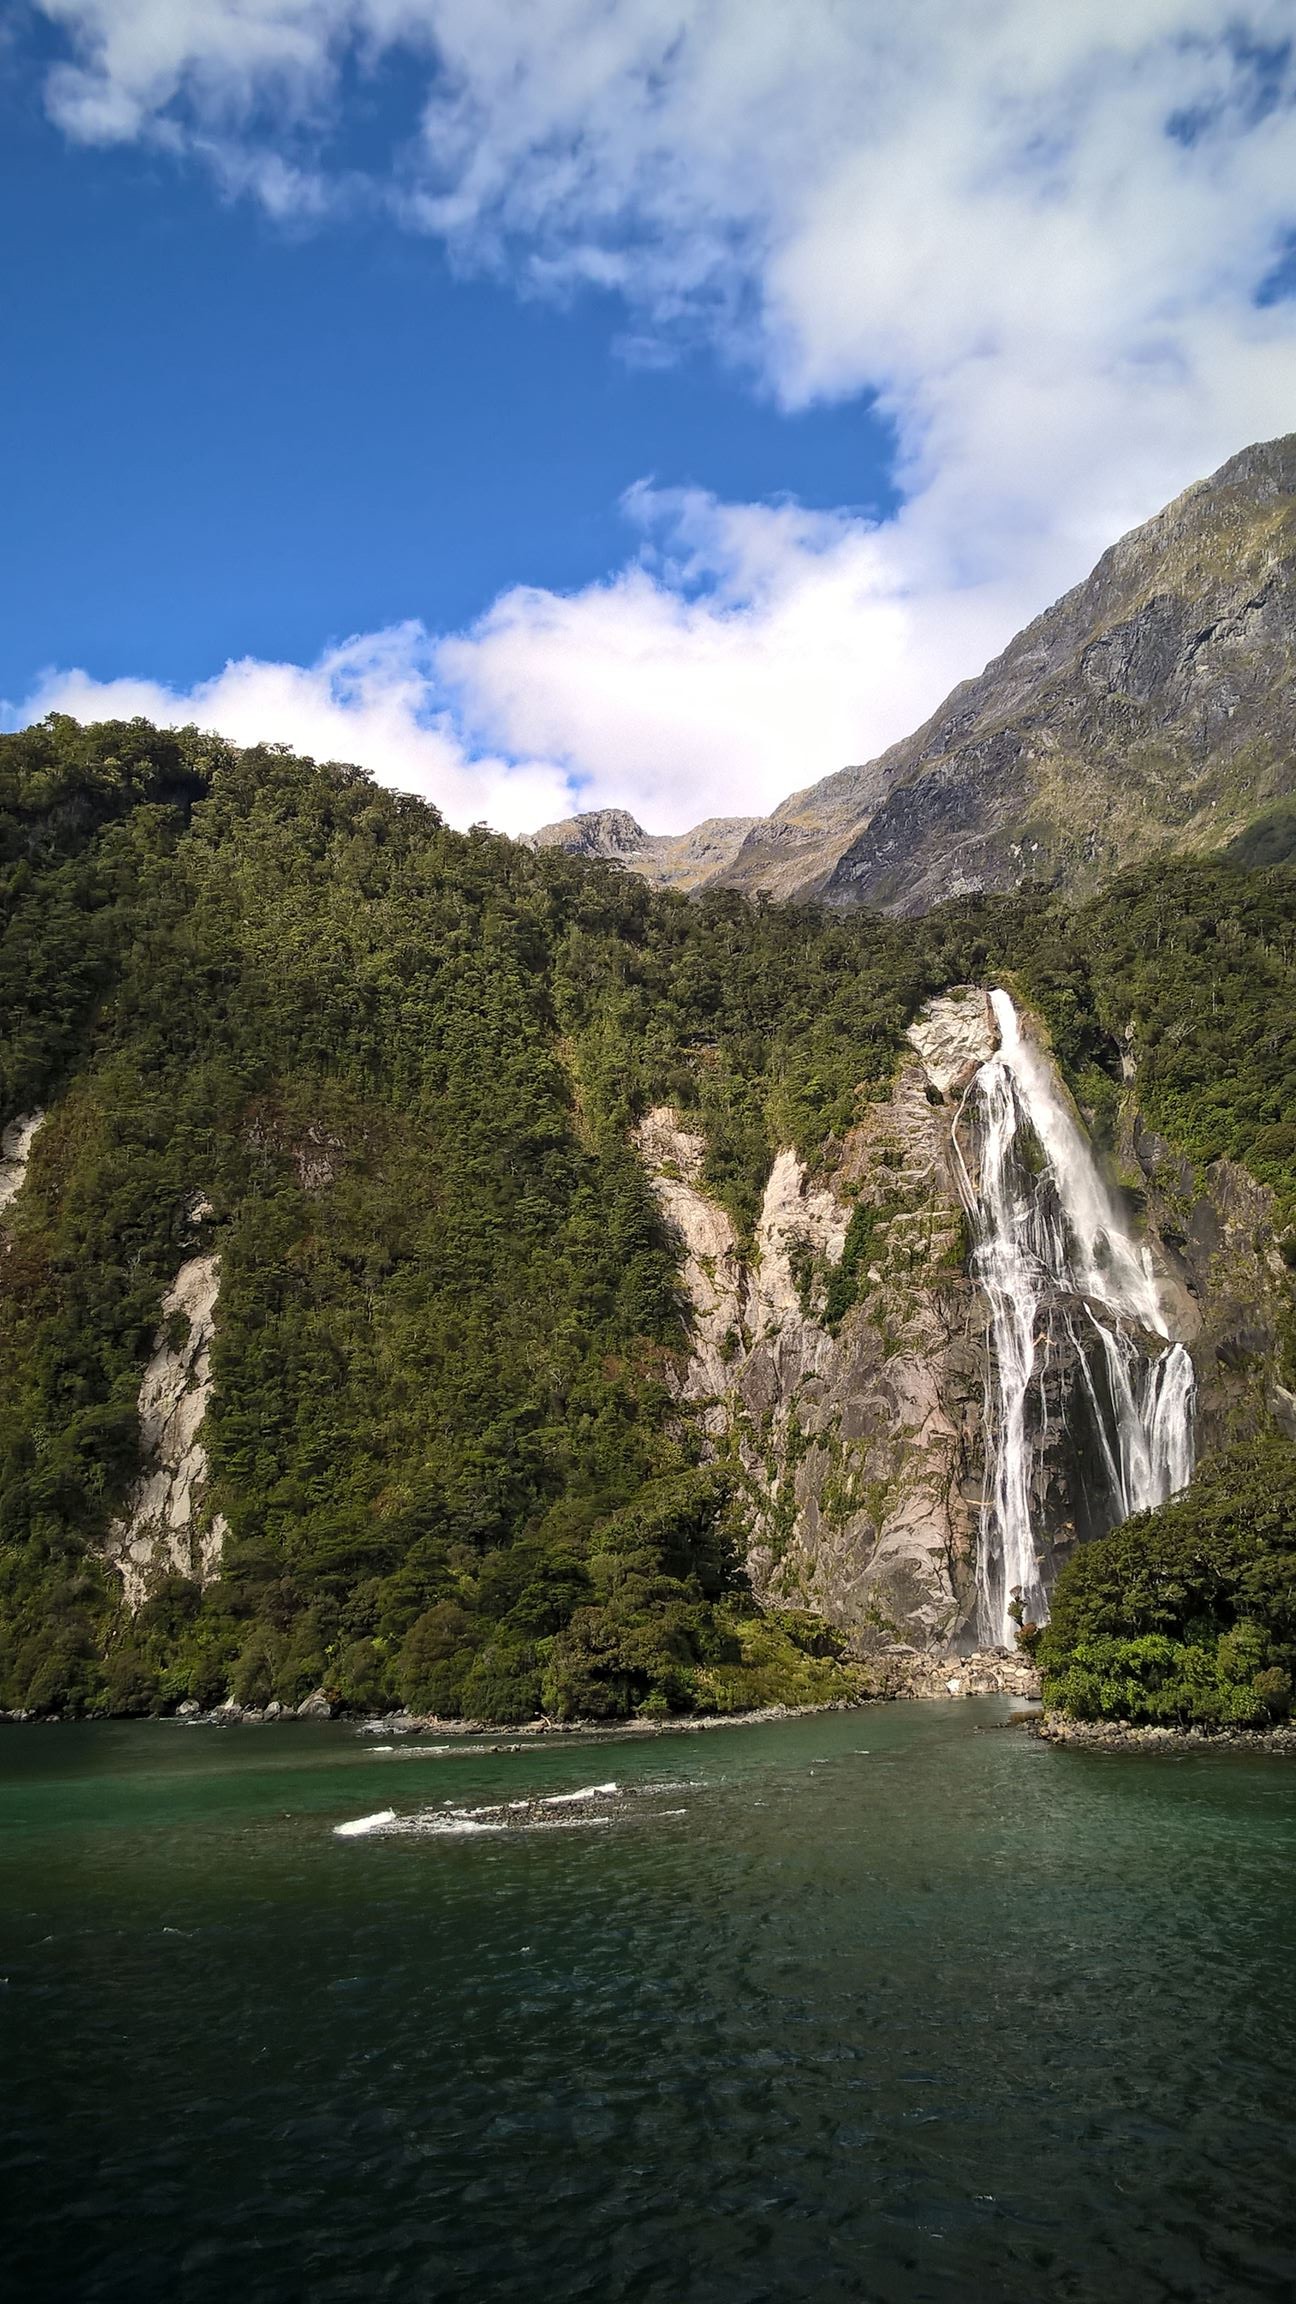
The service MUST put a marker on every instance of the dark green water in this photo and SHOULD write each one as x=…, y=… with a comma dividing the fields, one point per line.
x=887, y=2005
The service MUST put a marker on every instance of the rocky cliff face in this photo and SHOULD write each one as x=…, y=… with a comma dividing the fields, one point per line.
x=843, y=1357
x=16, y=1143
x=1151, y=708
x=166, y=1526
x=1217, y=1233
x=859, y=1428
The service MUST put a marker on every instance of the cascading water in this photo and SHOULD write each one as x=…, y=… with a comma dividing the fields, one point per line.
x=1059, y=1263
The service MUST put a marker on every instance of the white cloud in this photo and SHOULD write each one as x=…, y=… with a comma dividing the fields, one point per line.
x=375, y=701
x=801, y=654
x=643, y=692
x=1036, y=233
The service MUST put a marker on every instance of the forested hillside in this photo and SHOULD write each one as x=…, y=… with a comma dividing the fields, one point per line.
x=387, y=1072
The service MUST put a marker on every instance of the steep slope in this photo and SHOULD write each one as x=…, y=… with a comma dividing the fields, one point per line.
x=466, y=1132
x=1152, y=708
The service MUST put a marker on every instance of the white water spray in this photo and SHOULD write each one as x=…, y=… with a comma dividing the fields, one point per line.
x=1053, y=1251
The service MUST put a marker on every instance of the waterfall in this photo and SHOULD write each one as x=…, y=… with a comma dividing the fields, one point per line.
x=1060, y=1268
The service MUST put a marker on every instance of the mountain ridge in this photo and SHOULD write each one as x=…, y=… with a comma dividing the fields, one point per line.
x=1150, y=708
x=667, y=859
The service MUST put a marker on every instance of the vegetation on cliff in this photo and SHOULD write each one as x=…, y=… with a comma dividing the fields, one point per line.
x=387, y=1072
x=1186, y=1615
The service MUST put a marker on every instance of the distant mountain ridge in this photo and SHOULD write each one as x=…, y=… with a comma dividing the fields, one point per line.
x=1152, y=708
x=669, y=860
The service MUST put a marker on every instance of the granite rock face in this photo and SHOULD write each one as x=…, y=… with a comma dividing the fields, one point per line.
x=860, y=1436
x=858, y=1415
x=166, y=1526
x=1217, y=1231
x=714, y=1273
x=1153, y=708
x=15, y=1152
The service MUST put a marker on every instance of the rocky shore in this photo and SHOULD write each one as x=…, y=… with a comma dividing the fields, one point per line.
x=913, y=1672
x=318, y=1707
x=895, y=1675
x=1130, y=1736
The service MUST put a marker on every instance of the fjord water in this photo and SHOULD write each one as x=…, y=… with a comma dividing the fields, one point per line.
x=1053, y=1245
x=873, y=2007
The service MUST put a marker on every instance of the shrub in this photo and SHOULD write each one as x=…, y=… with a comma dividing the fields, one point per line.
x=1188, y=1613
x=359, y=1677
x=434, y=1661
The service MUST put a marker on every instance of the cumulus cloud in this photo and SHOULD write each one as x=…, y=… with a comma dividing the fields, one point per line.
x=1038, y=235
x=374, y=701
x=750, y=649
x=721, y=667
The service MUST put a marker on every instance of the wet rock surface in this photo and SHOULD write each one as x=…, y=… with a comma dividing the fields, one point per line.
x=1216, y=1229
x=1130, y=1736
x=909, y=1672
x=863, y=1435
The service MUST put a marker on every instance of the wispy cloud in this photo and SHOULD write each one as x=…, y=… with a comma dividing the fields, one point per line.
x=1042, y=236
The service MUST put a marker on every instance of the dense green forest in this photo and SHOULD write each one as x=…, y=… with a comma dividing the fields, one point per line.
x=388, y=1071
x=1186, y=1614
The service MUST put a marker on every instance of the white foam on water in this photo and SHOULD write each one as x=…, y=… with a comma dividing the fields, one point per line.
x=359, y=1825
x=589, y=1792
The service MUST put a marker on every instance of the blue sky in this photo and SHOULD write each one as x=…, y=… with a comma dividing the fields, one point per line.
x=227, y=436
x=338, y=335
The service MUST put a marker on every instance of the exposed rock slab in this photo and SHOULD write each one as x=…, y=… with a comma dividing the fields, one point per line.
x=713, y=1271
x=860, y=1438
x=167, y=1527
x=954, y=1036
x=15, y=1152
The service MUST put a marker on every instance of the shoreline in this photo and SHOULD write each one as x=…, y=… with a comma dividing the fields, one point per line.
x=518, y=1732
x=901, y=1675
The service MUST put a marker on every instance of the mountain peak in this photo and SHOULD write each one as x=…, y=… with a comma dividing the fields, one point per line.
x=608, y=832
x=681, y=860
x=1150, y=709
